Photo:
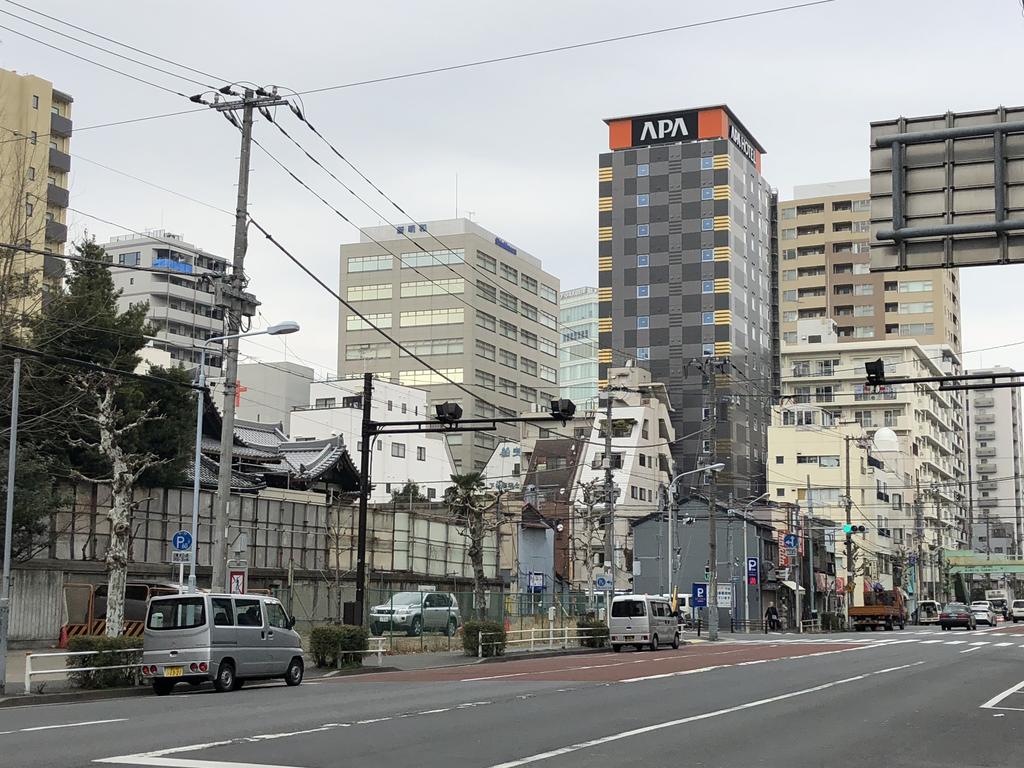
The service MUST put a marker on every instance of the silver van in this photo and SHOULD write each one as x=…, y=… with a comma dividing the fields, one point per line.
x=643, y=621
x=228, y=639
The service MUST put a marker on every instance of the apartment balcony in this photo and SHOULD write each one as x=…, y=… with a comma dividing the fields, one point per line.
x=53, y=267
x=60, y=125
x=186, y=317
x=988, y=485
x=989, y=451
x=57, y=196
x=984, y=402
x=984, y=435
x=985, y=418
x=987, y=502
x=166, y=288
x=60, y=161
x=56, y=232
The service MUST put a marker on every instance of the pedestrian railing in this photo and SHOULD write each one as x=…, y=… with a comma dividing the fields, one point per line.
x=376, y=649
x=538, y=638
x=810, y=625
x=30, y=672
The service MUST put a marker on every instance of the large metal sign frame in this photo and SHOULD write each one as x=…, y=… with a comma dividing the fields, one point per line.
x=947, y=191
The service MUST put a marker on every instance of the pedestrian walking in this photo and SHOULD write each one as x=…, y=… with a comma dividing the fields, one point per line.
x=771, y=618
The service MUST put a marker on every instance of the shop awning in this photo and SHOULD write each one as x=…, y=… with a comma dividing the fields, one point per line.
x=791, y=585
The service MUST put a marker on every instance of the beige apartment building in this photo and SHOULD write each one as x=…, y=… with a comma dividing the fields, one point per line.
x=825, y=273
x=477, y=308
x=35, y=133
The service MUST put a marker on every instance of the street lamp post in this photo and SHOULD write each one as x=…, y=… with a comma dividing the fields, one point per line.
x=671, y=514
x=280, y=329
x=746, y=598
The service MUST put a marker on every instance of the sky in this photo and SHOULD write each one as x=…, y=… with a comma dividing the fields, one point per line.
x=521, y=137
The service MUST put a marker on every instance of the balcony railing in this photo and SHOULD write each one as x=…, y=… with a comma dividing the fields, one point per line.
x=56, y=232
x=60, y=125
x=57, y=196
x=60, y=160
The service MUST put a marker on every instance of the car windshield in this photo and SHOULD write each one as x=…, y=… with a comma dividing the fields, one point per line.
x=177, y=613
x=406, y=598
x=1018, y=603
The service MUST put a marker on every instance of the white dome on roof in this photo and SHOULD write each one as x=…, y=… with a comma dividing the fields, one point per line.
x=885, y=439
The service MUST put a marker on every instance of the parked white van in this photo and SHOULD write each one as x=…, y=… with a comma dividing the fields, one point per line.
x=643, y=621
x=228, y=639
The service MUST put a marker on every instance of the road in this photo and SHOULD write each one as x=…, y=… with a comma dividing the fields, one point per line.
x=913, y=698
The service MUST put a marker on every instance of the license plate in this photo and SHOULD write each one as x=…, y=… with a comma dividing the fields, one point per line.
x=630, y=637
x=173, y=671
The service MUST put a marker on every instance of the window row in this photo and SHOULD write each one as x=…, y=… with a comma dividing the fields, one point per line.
x=511, y=331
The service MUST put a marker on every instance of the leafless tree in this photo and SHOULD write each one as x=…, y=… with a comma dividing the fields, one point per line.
x=469, y=503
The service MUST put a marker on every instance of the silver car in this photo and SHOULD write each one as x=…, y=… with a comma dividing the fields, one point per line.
x=228, y=639
x=415, y=613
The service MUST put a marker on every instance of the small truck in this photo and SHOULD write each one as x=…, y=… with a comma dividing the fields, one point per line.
x=882, y=609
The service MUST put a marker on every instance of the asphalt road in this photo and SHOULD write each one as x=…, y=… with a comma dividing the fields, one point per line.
x=914, y=698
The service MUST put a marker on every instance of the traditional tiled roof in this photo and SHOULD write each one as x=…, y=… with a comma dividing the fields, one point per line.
x=241, y=482
x=310, y=461
x=256, y=433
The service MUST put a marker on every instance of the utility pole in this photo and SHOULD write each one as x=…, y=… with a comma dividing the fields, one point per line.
x=662, y=507
x=366, y=433
x=810, y=545
x=236, y=303
x=919, y=531
x=712, y=521
x=609, y=503
x=848, y=598
x=5, y=582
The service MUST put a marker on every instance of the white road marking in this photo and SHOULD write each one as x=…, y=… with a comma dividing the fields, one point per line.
x=178, y=762
x=63, y=725
x=991, y=703
x=1003, y=645
x=981, y=642
x=955, y=642
x=968, y=650
x=931, y=642
x=695, y=718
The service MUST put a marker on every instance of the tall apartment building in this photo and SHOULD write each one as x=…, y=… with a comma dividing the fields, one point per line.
x=825, y=273
x=479, y=310
x=182, y=311
x=686, y=271
x=577, y=354
x=823, y=386
x=996, y=464
x=35, y=136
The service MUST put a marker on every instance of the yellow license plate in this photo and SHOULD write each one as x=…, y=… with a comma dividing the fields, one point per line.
x=173, y=671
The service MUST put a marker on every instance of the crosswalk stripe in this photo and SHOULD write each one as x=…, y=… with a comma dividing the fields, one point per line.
x=955, y=642
x=1003, y=645
x=981, y=642
x=930, y=642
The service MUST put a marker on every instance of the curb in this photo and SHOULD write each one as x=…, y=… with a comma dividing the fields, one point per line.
x=354, y=671
x=27, y=700
x=542, y=655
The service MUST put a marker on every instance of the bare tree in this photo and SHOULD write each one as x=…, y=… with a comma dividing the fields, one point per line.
x=468, y=504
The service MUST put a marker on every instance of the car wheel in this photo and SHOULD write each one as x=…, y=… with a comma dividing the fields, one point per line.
x=654, y=643
x=453, y=627
x=675, y=641
x=163, y=687
x=294, y=674
x=416, y=628
x=617, y=648
x=225, y=679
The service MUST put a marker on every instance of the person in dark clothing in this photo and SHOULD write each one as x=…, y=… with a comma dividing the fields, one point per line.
x=771, y=618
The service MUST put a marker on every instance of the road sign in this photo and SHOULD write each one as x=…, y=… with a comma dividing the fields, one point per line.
x=725, y=595
x=181, y=558
x=699, y=595
x=603, y=582
x=790, y=540
x=181, y=541
x=753, y=571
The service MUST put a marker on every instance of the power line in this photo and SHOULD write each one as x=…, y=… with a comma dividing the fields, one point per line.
x=569, y=47
x=127, y=121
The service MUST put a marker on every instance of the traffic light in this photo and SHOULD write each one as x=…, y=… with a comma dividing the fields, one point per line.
x=448, y=413
x=562, y=409
x=707, y=571
x=848, y=529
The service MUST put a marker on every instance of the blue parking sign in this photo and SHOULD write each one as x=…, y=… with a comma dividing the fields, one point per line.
x=181, y=541
x=699, y=595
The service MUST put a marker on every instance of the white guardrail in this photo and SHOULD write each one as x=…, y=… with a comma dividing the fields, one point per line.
x=378, y=651
x=29, y=672
x=549, y=638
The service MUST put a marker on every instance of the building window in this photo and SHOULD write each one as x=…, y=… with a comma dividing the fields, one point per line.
x=643, y=170
x=780, y=459
x=369, y=263
x=643, y=321
x=643, y=353
x=707, y=350
x=707, y=163
x=707, y=225
x=548, y=374
x=508, y=330
x=643, y=230
x=487, y=263
x=707, y=318
x=28, y=209
x=421, y=453
x=508, y=359
x=707, y=286
x=707, y=193
x=507, y=387
x=485, y=380
x=528, y=366
x=528, y=283
x=508, y=301
x=915, y=286
x=432, y=317
x=789, y=254
x=780, y=491
x=643, y=260
x=33, y=137
x=369, y=292
x=31, y=173
x=642, y=201
x=643, y=291
x=35, y=102
x=509, y=273
x=485, y=350
x=398, y=450
x=548, y=293
x=707, y=254
x=486, y=291
x=325, y=402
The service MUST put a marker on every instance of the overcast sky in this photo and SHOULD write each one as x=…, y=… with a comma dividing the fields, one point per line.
x=522, y=136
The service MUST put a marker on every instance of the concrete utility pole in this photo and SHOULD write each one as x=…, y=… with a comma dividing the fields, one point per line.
x=5, y=582
x=712, y=521
x=810, y=545
x=366, y=433
x=609, y=502
x=849, y=536
x=919, y=531
x=235, y=303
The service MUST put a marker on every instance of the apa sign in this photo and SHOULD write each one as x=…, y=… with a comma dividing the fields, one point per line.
x=665, y=127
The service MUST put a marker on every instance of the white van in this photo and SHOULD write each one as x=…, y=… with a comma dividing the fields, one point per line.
x=643, y=621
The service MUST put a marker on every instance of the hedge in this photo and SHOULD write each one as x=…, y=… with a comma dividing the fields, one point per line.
x=593, y=633
x=105, y=678
x=331, y=645
x=494, y=638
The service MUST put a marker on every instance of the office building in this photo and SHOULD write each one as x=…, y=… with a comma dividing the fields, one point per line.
x=577, y=353
x=182, y=309
x=480, y=311
x=268, y=392
x=686, y=268
x=35, y=162
x=825, y=272
x=995, y=419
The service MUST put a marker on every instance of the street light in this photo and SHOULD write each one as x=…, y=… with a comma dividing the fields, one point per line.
x=746, y=593
x=671, y=495
x=279, y=329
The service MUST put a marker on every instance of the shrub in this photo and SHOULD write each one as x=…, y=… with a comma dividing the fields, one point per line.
x=494, y=638
x=333, y=645
x=593, y=632
x=108, y=656
x=833, y=622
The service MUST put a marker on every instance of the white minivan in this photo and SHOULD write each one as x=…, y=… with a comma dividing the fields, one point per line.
x=643, y=621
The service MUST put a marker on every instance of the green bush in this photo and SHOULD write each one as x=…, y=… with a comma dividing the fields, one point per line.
x=107, y=657
x=333, y=645
x=494, y=638
x=593, y=633
x=833, y=622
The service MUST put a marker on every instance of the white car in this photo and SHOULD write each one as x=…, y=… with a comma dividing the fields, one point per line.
x=983, y=613
x=1017, y=610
